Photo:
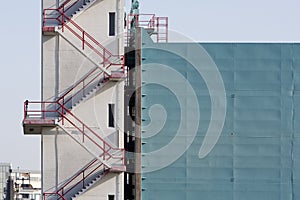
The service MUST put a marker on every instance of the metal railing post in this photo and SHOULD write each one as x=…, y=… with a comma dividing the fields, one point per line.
x=62, y=22
x=83, y=88
x=104, y=58
x=62, y=111
x=166, y=27
x=83, y=179
x=83, y=33
x=43, y=111
x=123, y=154
x=25, y=108
x=104, y=150
x=83, y=133
x=123, y=65
x=44, y=18
x=157, y=27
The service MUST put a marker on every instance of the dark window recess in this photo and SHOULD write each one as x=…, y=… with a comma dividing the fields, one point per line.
x=111, y=112
x=112, y=24
x=111, y=197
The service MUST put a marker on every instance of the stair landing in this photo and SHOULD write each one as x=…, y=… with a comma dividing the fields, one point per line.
x=49, y=30
x=118, y=168
x=117, y=76
x=34, y=126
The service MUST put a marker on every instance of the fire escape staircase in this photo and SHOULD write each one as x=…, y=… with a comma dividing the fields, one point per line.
x=60, y=21
x=107, y=157
x=80, y=182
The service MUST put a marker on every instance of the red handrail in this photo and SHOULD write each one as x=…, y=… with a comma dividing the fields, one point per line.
x=162, y=28
x=82, y=172
x=53, y=193
x=87, y=39
x=62, y=111
x=65, y=4
x=159, y=24
x=66, y=114
x=63, y=100
x=62, y=190
x=82, y=84
x=106, y=148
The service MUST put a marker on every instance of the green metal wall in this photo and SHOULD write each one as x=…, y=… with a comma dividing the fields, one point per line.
x=257, y=156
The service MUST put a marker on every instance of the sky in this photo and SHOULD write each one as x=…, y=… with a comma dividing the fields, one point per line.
x=199, y=20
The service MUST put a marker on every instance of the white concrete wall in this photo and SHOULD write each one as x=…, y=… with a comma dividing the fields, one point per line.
x=62, y=157
x=94, y=111
x=63, y=65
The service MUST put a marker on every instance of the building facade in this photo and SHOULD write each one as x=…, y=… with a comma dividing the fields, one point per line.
x=4, y=173
x=155, y=120
x=19, y=184
x=27, y=184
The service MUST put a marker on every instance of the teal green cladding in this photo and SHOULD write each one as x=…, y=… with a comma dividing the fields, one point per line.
x=257, y=156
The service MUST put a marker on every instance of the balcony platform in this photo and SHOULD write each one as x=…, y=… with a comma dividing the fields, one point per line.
x=34, y=126
x=118, y=168
x=49, y=30
x=117, y=76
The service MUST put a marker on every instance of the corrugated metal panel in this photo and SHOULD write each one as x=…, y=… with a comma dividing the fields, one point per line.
x=258, y=153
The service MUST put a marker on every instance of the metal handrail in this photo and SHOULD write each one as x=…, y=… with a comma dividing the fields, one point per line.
x=52, y=193
x=62, y=190
x=93, y=44
x=81, y=84
x=64, y=112
x=65, y=4
x=149, y=21
x=83, y=36
x=164, y=25
x=82, y=172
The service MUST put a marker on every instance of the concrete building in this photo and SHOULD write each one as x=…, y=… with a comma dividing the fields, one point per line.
x=23, y=184
x=197, y=121
x=4, y=173
x=27, y=184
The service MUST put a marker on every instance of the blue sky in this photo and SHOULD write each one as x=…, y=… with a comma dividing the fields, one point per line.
x=213, y=20
x=230, y=20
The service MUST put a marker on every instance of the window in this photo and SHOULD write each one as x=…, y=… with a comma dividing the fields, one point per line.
x=111, y=197
x=112, y=24
x=111, y=112
x=26, y=196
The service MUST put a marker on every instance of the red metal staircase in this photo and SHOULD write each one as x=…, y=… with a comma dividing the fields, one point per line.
x=108, y=158
x=56, y=114
x=55, y=20
x=94, y=80
x=80, y=182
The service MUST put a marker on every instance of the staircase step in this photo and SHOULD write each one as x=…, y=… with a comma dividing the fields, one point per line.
x=88, y=94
